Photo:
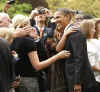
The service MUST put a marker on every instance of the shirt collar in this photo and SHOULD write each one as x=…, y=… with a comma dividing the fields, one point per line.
x=68, y=26
x=39, y=27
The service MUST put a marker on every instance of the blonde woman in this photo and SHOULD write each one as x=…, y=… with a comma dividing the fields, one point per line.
x=88, y=27
x=7, y=34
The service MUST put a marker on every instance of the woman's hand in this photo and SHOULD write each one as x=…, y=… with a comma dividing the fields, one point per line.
x=63, y=54
x=34, y=34
x=66, y=33
x=59, y=35
x=21, y=32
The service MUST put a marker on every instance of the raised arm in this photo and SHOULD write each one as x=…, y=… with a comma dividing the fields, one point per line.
x=61, y=43
x=34, y=59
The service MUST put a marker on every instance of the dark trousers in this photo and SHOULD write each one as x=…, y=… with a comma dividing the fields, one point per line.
x=28, y=84
x=95, y=88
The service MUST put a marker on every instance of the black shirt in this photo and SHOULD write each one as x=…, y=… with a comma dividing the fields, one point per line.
x=6, y=70
x=23, y=46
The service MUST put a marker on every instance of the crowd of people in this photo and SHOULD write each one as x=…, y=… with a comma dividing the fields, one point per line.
x=31, y=48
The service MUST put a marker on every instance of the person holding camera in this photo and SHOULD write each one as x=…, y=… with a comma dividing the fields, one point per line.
x=8, y=5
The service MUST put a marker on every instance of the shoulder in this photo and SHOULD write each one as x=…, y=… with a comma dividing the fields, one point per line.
x=91, y=47
x=3, y=42
x=77, y=35
x=24, y=41
x=4, y=46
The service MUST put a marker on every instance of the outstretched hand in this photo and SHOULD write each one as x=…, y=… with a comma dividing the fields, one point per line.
x=66, y=33
x=63, y=54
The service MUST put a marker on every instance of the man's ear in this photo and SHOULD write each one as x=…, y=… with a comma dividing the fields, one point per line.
x=68, y=17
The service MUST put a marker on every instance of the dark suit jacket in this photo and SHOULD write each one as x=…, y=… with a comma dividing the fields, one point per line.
x=77, y=66
x=6, y=66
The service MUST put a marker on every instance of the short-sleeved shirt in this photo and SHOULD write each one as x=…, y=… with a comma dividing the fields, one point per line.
x=94, y=56
x=23, y=46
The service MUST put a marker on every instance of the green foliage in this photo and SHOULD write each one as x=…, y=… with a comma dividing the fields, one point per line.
x=20, y=9
x=2, y=4
x=87, y=6
x=17, y=8
x=54, y=4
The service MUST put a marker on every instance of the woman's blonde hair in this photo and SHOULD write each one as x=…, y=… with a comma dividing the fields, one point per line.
x=6, y=33
x=86, y=26
x=20, y=21
x=97, y=21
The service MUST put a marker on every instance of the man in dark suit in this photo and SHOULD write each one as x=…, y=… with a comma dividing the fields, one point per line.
x=5, y=66
x=78, y=74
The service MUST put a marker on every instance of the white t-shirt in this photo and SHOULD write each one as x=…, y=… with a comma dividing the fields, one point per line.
x=93, y=48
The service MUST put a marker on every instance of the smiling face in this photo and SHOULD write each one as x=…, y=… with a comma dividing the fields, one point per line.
x=61, y=19
x=40, y=18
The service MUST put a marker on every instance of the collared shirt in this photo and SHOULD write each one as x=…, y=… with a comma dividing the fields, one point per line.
x=40, y=28
x=68, y=26
x=94, y=56
x=72, y=26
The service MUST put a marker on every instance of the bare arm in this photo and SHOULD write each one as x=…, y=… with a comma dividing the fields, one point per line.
x=95, y=68
x=6, y=7
x=33, y=56
x=61, y=43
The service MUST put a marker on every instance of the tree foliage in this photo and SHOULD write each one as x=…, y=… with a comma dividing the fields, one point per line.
x=87, y=6
x=17, y=8
x=36, y=3
x=54, y=4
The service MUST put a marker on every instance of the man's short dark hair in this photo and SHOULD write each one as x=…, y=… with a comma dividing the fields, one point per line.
x=88, y=16
x=65, y=11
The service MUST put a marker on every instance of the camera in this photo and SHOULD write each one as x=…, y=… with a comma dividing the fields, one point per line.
x=41, y=11
x=11, y=1
x=76, y=12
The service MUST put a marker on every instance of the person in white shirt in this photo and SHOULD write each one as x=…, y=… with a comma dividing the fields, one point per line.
x=88, y=27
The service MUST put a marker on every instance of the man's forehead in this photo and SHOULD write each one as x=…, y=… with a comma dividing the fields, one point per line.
x=58, y=13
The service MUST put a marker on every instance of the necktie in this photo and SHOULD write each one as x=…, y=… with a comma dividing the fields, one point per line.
x=41, y=32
